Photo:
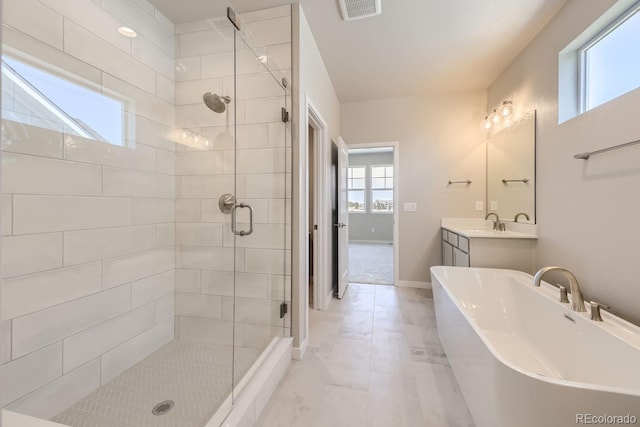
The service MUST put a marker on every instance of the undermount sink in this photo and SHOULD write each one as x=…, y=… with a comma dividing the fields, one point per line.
x=481, y=231
x=489, y=233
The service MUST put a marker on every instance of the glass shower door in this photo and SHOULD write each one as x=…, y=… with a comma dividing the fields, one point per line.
x=261, y=234
x=206, y=200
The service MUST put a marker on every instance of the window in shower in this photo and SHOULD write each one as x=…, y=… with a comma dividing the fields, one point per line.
x=37, y=97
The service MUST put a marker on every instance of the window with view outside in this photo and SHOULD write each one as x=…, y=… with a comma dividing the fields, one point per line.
x=611, y=61
x=37, y=97
x=356, y=184
x=382, y=189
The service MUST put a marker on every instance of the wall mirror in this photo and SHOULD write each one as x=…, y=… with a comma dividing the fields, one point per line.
x=511, y=170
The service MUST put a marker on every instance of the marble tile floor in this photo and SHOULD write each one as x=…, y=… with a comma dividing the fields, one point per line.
x=374, y=359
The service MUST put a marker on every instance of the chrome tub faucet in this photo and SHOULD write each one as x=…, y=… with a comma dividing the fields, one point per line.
x=577, y=301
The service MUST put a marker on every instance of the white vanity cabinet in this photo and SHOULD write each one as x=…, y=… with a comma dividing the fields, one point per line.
x=488, y=249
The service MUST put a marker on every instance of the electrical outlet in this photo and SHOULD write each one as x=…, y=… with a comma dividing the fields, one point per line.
x=373, y=229
x=494, y=205
x=479, y=205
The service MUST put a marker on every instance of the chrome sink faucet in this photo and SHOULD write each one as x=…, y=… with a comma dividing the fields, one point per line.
x=497, y=225
x=577, y=301
x=519, y=214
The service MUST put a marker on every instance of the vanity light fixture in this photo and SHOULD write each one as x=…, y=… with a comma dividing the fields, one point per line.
x=500, y=117
x=128, y=32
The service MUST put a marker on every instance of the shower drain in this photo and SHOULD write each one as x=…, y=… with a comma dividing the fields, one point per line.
x=163, y=407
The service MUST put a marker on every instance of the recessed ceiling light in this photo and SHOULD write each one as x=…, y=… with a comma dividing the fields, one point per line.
x=127, y=32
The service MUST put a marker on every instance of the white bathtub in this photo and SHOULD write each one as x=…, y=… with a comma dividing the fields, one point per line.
x=520, y=362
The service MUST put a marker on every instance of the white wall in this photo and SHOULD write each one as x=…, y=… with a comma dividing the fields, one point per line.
x=439, y=139
x=310, y=78
x=88, y=226
x=587, y=211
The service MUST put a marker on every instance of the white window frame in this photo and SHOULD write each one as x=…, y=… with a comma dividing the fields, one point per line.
x=363, y=190
x=372, y=189
x=583, y=72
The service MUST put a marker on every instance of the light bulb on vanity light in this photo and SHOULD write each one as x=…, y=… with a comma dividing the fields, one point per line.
x=495, y=117
x=506, y=109
x=486, y=123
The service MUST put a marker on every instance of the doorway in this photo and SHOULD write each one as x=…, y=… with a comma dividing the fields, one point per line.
x=317, y=203
x=322, y=173
x=312, y=220
x=372, y=195
x=335, y=218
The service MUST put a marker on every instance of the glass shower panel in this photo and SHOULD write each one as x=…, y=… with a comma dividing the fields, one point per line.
x=262, y=236
x=205, y=199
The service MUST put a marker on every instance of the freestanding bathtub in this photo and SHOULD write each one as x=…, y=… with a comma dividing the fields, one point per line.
x=523, y=359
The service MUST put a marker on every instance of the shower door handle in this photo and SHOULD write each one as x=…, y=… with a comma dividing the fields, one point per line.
x=233, y=220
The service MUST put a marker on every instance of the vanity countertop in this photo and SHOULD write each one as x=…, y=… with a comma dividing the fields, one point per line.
x=481, y=229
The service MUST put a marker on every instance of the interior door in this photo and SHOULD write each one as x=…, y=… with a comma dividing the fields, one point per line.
x=343, y=219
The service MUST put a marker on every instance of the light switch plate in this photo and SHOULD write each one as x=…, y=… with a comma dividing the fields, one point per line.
x=479, y=205
x=410, y=207
x=494, y=205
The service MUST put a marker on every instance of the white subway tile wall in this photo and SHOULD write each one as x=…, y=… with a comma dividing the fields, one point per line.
x=252, y=164
x=89, y=226
x=113, y=243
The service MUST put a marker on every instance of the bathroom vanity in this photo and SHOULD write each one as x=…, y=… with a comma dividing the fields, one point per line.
x=511, y=178
x=468, y=242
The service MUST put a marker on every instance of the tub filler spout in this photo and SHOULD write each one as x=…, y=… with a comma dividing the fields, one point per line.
x=577, y=301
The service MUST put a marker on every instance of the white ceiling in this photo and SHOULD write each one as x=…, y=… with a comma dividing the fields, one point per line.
x=414, y=47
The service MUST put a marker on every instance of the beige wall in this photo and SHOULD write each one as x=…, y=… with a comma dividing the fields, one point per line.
x=439, y=139
x=310, y=78
x=587, y=211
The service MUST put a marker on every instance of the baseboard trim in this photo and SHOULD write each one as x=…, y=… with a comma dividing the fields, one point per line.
x=298, y=352
x=412, y=284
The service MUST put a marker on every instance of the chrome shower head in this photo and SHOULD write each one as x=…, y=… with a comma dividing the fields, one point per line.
x=216, y=103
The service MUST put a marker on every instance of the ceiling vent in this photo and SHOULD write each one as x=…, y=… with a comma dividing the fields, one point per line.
x=358, y=9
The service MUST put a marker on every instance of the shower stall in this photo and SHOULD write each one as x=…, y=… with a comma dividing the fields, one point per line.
x=145, y=207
